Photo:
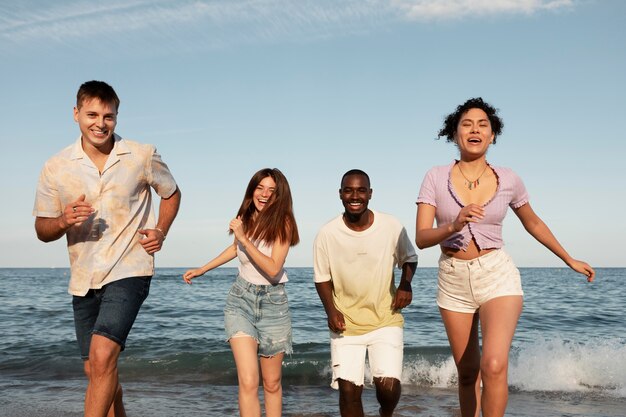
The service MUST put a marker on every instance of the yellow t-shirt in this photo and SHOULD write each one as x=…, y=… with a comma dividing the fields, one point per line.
x=361, y=268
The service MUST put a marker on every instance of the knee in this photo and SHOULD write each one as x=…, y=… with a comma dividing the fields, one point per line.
x=272, y=386
x=102, y=360
x=349, y=392
x=493, y=367
x=248, y=382
x=388, y=391
x=387, y=386
x=468, y=373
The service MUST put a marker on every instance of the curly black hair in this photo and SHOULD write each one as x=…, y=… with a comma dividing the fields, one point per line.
x=452, y=120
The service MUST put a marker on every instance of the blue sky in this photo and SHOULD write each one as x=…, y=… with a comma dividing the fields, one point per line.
x=317, y=87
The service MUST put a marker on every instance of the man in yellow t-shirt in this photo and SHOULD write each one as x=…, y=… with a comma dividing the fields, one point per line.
x=354, y=259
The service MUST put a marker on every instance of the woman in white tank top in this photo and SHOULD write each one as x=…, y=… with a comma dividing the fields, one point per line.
x=264, y=229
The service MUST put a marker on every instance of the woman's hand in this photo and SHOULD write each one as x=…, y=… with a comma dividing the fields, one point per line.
x=468, y=214
x=236, y=225
x=583, y=268
x=191, y=274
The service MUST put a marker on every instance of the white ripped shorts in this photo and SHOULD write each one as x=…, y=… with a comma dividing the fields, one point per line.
x=384, y=349
x=466, y=285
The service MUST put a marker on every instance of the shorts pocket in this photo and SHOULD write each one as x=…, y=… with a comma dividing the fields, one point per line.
x=236, y=291
x=277, y=297
x=446, y=266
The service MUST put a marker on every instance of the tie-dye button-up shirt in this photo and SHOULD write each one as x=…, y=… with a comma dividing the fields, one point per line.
x=105, y=248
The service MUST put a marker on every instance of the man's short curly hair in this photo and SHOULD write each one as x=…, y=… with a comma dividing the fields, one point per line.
x=451, y=121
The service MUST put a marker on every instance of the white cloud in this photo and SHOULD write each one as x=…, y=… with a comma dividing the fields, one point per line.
x=187, y=23
x=450, y=9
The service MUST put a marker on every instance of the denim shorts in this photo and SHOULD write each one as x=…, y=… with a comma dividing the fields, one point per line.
x=384, y=349
x=465, y=285
x=109, y=311
x=259, y=311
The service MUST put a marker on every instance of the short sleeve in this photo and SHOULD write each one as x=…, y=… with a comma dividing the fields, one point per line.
x=520, y=195
x=159, y=176
x=47, y=201
x=321, y=263
x=427, y=193
x=405, y=252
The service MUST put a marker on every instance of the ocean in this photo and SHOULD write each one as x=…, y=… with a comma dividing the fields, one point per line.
x=568, y=356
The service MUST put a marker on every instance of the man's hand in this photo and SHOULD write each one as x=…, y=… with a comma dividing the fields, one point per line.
x=336, y=322
x=404, y=295
x=152, y=241
x=76, y=212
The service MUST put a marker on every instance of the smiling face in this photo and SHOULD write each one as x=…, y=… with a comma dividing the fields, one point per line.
x=96, y=120
x=355, y=194
x=474, y=134
x=263, y=192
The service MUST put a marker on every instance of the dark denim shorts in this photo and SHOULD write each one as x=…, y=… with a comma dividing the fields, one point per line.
x=109, y=311
x=262, y=312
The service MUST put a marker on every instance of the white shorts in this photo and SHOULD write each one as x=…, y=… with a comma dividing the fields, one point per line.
x=466, y=285
x=384, y=349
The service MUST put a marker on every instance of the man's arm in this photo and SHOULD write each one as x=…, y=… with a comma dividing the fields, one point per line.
x=52, y=228
x=168, y=209
x=336, y=322
x=404, y=293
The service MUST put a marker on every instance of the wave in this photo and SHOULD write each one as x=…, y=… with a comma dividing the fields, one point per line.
x=597, y=367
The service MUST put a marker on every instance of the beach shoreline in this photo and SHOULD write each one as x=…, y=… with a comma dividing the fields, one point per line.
x=33, y=399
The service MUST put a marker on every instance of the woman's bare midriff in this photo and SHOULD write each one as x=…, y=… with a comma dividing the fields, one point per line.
x=472, y=252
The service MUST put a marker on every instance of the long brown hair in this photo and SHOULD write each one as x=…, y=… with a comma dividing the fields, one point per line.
x=276, y=221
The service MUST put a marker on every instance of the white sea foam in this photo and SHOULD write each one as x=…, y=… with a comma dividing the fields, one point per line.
x=555, y=365
x=441, y=374
x=597, y=365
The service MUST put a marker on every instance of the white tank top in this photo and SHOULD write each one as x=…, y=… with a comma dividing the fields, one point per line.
x=249, y=271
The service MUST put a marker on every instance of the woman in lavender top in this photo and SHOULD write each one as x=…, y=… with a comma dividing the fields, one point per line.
x=478, y=282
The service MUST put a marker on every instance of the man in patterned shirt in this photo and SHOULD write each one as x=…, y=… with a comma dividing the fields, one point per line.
x=97, y=193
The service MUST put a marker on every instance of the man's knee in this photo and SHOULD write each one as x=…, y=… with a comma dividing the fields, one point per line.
x=349, y=391
x=103, y=355
x=388, y=392
x=387, y=385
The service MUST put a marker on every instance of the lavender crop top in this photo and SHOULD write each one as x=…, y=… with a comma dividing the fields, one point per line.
x=437, y=191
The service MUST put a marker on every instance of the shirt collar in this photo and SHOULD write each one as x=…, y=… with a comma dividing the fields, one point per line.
x=120, y=147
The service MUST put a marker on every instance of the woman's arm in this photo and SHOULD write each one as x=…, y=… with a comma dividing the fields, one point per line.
x=227, y=255
x=540, y=231
x=270, y=265
x=426, y=235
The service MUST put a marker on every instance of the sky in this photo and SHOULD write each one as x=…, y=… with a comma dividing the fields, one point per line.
x=224, y=88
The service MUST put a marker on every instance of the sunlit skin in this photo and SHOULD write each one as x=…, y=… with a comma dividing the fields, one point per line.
x=474, y=135
x=260, y=198
x=355, y=194
x=96, y=120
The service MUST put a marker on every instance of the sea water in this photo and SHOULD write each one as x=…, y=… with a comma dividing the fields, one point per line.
x=568, y=356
